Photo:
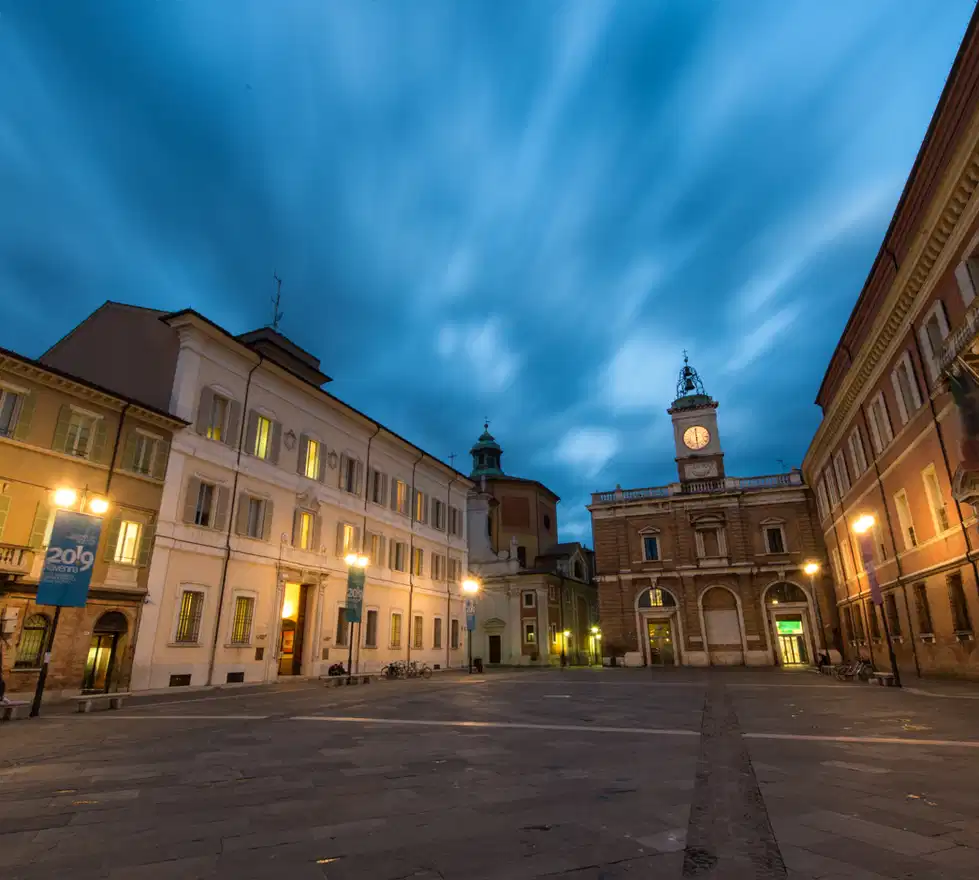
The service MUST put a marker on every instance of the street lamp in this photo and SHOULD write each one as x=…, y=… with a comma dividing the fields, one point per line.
x=564, y=647
x=98, y=505
x=356, y=563
x=596, y=635
x=470, y=586
x=812, y=568
x=862, y=526
x=65, y=497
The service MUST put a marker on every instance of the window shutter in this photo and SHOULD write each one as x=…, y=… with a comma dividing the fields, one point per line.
x=339, y=548
x=301, y=460
x=967, y=285
x=234, y=420
x=40, y=525
x=342, y=473
x=204, y=410
x=384, y=487
x=4, y=510
x=901, y=408
x=190, y=500
x=146, y=544
x=382, y=546
x=267, y=521
x=359, y=478
x=321, y=463
x=913, y=382
x=112, y=538
x=129, y=452
x=251, y=432
x=394, y=495
x=161, y=454
x=61, y=429
x=295, y=527
x=221, y=508
x=23, y=426
x=241, y=518
x=415, y=494
x=314, y=541
x=930, y=357
x=391, y=554
x=357, y=539
x=276, y=442
x=100, y=451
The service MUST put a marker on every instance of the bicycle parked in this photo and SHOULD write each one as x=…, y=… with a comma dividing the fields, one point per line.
x=854, y=669
x=406, y=669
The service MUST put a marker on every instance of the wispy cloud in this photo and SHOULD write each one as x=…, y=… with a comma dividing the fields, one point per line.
x=588, y=450
x=482, y=348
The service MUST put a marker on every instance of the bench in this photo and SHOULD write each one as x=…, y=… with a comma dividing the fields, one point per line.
x=341, y=680
x=884, y=679
x=112, y=701
x=11, y=710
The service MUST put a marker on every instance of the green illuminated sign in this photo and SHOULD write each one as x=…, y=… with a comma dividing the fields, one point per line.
x=789, y=627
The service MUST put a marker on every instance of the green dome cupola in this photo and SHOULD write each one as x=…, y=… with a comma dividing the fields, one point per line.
x=486, y=454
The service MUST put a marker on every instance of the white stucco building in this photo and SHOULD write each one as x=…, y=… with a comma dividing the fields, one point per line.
x=273, y=483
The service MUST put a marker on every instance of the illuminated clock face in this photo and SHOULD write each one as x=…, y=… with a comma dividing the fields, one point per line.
x=696, y=437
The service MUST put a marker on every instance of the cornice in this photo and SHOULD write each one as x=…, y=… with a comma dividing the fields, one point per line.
x=942, y=232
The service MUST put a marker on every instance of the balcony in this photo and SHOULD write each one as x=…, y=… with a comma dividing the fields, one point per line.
x=960, y=339
x=16, y=560
x=700, y=487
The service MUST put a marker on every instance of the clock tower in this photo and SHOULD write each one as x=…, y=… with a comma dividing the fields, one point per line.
x=698, y=445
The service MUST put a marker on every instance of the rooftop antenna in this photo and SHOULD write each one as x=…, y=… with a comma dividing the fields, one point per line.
x=276, y=314
x=452, y=459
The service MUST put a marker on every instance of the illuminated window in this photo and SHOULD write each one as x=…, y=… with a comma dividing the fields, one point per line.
x=263, y=437
x=530, y=633
x=419, y=632
x=374, y=550
x=417, y=561
x=395, y=630
x=189, y=621
x=127, y=544
x=347, y=540
x=311, y=467
x=304, y=530
x=217, y=425
x=401, y=497
x=241, y=627
x=33, y=637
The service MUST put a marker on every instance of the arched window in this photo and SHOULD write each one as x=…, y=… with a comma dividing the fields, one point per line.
x=33, y=638
x=783, y=592
x=656, y=598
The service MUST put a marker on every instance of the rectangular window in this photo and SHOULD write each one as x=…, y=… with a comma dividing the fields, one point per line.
x=858, y=621
x=932, y=335
x=421, y=507
x=961, y=620
x=438, y=514
x=773, y=538
x=711, y=543
x=347, y=540
x=905, y=388
x=348, y=479
x=377, y=487
x=304, y=530
x=842, y=477
x=400, y=495
x=454, y=634
x=395, y=630
x=923, y=609
x=255, y=522
x=834, y=557
x=241, y=626
x=437, y=633
x=880, y=424
x=419, y=632
x=848, y=623
x=144, y=452
x=529, y=599
x=81, y=429
x=904, y=519
x=374, y=550
x=874, y=621
x=438, y=567
x=831, y=486
x=417, y=561
x=857, y=455
x=936, y=504
x=343, y=628
x=399, y=556
x=530, y=633
x=311, y=466
x=455, y=521
x=879, y=540
x=893, y=618
x=10, y=405
x=204, y=511
x=189, y=621
x=263, y=437
x=848, y=569
x=552, y=633
x=370, y=629
x=218, y=419
x=522, y=556
x=127, y=544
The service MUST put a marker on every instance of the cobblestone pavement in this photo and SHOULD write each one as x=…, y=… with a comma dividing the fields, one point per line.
x=576, y=774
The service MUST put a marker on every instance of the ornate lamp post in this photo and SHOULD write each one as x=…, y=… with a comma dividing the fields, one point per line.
x=862, y=526
x=812, y=568
x=470, y=586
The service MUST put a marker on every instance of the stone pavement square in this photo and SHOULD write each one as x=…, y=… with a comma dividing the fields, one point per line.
x=593, y=774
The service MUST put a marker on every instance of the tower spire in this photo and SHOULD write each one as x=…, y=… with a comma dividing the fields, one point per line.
x=486, y=453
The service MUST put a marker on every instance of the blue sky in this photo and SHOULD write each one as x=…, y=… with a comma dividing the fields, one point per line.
x=512, y=209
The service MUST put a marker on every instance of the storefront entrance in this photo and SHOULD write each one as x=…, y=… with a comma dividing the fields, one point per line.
x=791, y=642
x=661, y=643
x=101, y=662
x=293, y=629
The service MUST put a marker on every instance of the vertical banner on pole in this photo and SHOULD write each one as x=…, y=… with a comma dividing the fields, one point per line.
x=470, y=614
x=355, y=594
x=68, y=560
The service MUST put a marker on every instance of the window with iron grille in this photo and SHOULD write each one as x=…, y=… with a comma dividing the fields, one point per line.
x=437, y=633
x=418, y=640
x=241, y=627
x=395, y=630
x=33, y=637
x=923, y=609
x=189, y=621
x=960, y=608
x=454, y=634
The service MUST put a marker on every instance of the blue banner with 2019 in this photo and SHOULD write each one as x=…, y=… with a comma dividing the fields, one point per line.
x=68, y=560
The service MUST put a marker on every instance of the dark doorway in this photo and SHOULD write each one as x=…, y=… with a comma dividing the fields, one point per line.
x=101, y=662
x=495, y=649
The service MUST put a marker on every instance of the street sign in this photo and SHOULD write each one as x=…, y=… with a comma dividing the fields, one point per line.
x=69, y=559
x=470, y=614
x=865, y=542
x=355, y=594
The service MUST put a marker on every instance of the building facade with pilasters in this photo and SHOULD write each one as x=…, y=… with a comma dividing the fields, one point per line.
x=272, y=485
x=899, y=437
x=709, y=570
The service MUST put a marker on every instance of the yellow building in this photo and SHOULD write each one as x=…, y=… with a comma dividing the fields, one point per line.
x=58, y=432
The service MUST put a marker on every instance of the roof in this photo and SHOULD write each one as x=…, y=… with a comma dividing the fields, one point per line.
x=170, y=316
x=504, y=478
x=564, y=549
x=6, y=352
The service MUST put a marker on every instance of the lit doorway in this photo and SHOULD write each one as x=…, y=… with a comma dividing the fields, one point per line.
x=791, y=641
x=101, y=662
x=661, y=651
x=292, y=629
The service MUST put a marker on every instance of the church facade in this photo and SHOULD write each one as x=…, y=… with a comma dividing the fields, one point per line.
x=711, y=569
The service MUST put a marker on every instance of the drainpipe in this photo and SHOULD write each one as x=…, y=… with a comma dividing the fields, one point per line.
x=115, y=449
x=231, y=524
x=448, y=585
x=411, y=561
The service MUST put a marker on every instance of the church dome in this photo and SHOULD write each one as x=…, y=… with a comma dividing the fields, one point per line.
x=486, y=453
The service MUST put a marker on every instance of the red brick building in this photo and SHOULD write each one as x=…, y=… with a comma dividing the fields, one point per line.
x=897, y=396
x=709, y=570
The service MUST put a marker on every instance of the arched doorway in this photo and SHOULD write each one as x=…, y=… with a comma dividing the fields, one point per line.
x=788, y=612
x=723, y=627
x=658, y=611
x=102, y=660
